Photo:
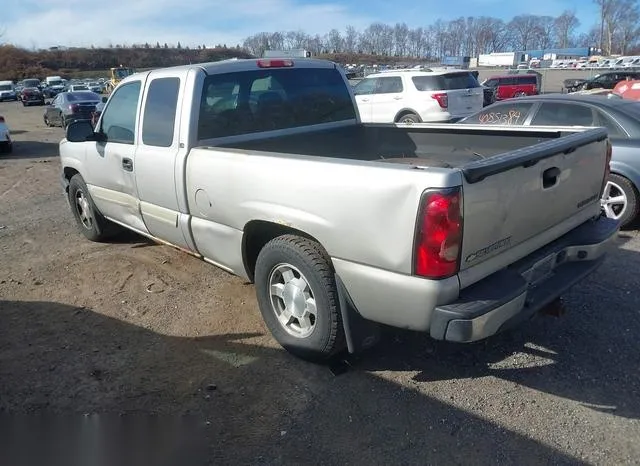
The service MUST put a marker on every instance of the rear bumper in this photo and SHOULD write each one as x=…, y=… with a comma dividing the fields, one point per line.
x=516, y=293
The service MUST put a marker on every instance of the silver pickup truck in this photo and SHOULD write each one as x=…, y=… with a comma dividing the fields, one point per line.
x=263, y=168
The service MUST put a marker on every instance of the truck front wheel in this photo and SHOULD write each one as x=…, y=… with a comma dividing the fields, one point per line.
x=90, y=221
x=298, y=298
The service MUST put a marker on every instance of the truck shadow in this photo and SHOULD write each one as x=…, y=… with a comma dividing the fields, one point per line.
x=590, y=355
x=32, y=150
x=260, y=405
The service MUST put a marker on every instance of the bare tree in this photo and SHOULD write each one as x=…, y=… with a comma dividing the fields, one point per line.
x=544, y=31
x=401, y=38
x=334, y=41
x=470, y=36
x=524, y=29
x=351, y=37
x=628, y=30
x=564, y=27
x=612, y=14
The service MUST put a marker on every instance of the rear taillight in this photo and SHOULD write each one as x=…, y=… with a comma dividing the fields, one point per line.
x=607, y=167
x=442, y=98
x=74, y=108
x=438, y=241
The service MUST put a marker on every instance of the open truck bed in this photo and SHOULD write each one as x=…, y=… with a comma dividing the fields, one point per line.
x=440, y=146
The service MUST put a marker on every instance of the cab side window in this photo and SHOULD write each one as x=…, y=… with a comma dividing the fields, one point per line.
x=160, y=112
x=389, y=85
x=119, y=117
x=366, y=86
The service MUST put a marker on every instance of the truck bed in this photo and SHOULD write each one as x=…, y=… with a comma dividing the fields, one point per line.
x=444, y=146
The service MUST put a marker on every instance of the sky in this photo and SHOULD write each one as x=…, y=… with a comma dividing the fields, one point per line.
x=46, y=23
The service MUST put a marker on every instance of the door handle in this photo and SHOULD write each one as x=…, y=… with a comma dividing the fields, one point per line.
x=550, y=177
x=397, y=97
x=127, y=164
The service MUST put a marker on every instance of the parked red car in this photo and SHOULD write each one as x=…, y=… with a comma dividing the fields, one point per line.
x=31, y=96
x=509, y=86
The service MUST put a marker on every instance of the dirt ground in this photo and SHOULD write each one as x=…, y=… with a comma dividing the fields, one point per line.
x=135, y=328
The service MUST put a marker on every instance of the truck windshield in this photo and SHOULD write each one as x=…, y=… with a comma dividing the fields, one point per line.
x=271, y=99
x=6, y=87
x=30, y=83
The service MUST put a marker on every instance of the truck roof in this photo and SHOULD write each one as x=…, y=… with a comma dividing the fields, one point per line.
x=245, y=64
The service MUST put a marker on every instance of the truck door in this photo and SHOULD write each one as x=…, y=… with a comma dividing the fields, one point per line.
x=157, y=159
x=110, y=162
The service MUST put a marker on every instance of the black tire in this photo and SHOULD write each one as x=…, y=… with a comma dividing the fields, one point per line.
x=24, y=104
x=311, y=261
x=629, y=190
x=99, y=228
x=6, y=148
x=409, y=118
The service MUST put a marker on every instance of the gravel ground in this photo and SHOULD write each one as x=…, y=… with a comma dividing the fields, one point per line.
x=136, y=328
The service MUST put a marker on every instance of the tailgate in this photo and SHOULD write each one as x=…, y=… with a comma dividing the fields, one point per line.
x=516, y=200
x=463, y=102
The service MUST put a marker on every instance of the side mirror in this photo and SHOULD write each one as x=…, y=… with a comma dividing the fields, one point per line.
x=82, y=131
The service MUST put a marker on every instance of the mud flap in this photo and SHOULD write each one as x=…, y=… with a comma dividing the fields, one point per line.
x=360, y=333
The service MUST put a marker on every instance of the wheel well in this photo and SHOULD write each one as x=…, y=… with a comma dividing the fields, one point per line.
x=69, y=173
x=404, y=112
x=257, y=233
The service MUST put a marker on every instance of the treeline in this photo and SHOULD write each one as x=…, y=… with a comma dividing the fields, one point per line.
x=616, y=30
x=17, y=63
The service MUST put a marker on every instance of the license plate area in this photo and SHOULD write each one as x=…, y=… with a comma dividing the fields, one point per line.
x=541, y=270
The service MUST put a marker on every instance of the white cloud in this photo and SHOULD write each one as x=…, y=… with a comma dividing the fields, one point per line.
x=191, y=22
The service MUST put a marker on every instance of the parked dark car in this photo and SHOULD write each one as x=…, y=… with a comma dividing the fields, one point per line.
x=71, y=106
x=621, y=117
x=31, y=96
x=601, y=81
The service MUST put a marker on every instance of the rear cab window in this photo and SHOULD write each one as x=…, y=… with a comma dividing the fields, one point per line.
x=246, y=102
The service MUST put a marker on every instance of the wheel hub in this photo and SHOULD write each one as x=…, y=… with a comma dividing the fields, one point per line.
x=294, y=299
x=613, y=201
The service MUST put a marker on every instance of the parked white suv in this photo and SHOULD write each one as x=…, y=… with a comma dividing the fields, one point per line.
x=410, y=96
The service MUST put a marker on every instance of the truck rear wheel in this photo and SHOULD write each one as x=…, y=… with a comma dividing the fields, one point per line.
x=90, y=221
x=298, y=298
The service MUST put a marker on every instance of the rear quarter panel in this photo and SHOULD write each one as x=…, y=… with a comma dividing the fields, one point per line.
x=359, y=211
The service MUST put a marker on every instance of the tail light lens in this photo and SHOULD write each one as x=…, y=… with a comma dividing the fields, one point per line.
x=607, y=168
x=442, y=98
x=278, y=63
x=438, y=241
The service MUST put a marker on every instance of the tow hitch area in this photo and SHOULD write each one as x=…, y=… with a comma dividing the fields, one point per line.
x=555, y=308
